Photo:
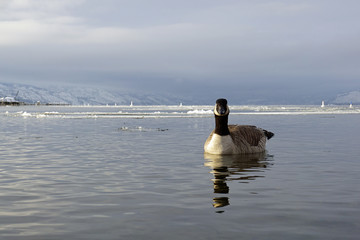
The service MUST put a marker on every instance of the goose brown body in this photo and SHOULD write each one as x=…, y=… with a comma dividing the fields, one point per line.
x=234, y=139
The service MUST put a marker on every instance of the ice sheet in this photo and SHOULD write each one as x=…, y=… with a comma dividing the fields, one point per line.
x=165, y=111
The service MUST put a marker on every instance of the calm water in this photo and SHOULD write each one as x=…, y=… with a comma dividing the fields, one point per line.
x=119, y=173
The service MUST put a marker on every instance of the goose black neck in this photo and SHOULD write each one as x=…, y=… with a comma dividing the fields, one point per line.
x=221, y=125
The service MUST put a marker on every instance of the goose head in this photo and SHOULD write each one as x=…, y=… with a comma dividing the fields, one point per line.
x=221, y=107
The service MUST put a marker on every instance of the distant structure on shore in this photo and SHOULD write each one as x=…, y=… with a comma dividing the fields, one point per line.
x=322, y=104
x=10, y=101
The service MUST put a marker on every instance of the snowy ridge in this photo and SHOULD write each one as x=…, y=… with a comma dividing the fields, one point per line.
x=97, y=96
x=347, y=98
x=81, y=96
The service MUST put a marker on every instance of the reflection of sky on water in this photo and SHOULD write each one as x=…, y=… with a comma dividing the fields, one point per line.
x=134, y=179
x=227, y=168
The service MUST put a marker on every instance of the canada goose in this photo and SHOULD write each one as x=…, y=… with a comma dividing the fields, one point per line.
x=234, y=139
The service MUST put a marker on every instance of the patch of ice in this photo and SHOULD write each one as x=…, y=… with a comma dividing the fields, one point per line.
x=141, y=129
x=53, y=112
x=41, y=116
x=25, y=114
x=200, y=111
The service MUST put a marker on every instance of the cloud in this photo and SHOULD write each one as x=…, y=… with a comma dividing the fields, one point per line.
x=204, y=41
x=40, y=5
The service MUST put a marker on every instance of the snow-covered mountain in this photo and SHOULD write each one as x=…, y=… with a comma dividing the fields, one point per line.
x=81, y=96
x=98, y=96
x=346, y=98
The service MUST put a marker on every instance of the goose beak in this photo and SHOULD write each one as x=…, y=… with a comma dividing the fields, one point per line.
x=221, y=110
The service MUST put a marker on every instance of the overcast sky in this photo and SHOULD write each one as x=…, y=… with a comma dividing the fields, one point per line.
x=253, y=47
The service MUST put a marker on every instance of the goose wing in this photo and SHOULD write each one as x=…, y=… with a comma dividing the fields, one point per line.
x=250, y=134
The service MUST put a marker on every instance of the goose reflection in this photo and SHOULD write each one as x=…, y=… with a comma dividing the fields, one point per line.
x=226, y=168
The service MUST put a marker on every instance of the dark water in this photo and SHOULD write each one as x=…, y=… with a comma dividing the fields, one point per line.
x=147, y=178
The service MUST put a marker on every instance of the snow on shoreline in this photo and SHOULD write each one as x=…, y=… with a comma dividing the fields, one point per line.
x=200, y=111
x=139, y=112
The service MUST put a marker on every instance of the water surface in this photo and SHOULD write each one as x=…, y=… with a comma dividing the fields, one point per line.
x=140, y=173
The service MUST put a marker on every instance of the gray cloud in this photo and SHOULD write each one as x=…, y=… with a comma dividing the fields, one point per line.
x=181, y=44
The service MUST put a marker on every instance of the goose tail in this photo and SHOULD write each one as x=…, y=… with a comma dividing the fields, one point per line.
x=268, y=134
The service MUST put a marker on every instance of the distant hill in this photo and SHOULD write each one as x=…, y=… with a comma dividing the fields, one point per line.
x=82, y=96
x=346, y=98
x=98, y=96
